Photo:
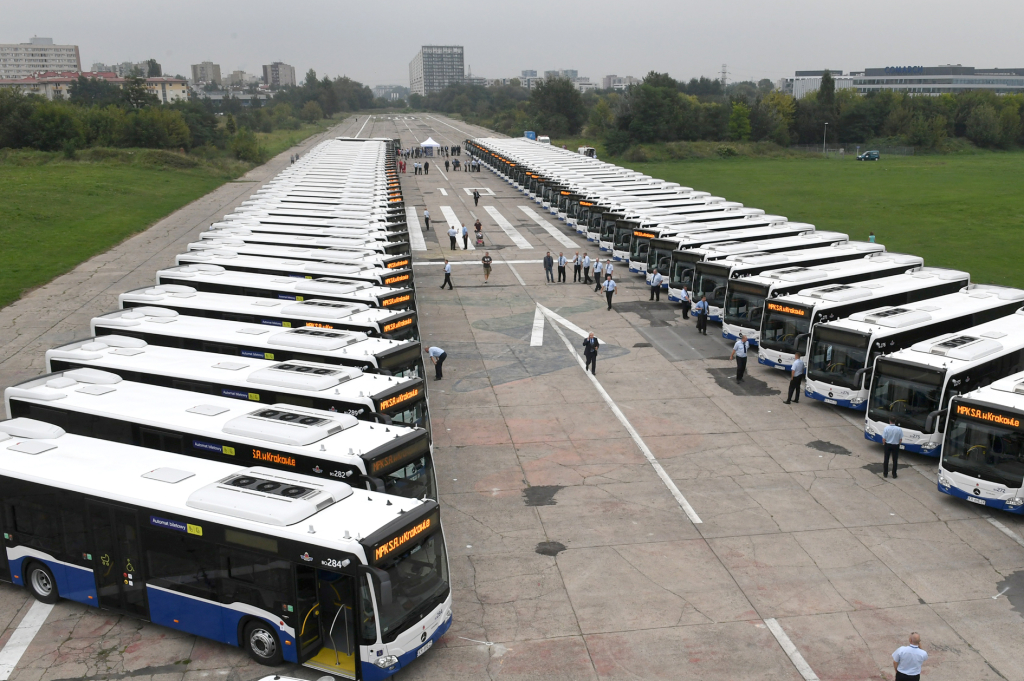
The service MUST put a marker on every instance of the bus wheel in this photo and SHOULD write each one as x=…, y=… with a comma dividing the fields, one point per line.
x=262, y=644
x=41, y=583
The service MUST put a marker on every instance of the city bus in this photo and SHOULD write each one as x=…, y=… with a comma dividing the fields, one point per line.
x=387, y=458
x=328, y=387
x=789, y=320
x=616, y=238
x=673, y=237
x=289, y=267
x=322, y=314
x=216, y=279
x=161, y=326
x=716, y=279
x=334, y=227
x=842, y=352
x=331, y=255
x=358, y=245
x=982, y=455
x=302, y=570
x=914, y=385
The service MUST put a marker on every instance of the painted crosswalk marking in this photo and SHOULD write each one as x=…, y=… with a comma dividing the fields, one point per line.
x=506, y=226
x=416, y=241
x=549, y=228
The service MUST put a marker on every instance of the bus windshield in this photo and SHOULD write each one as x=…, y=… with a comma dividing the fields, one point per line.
x=906, y=392
x=659, y=259
x=419, y=582
x=712, y=285
x=622, y=238
x=682, y=274
x=986, y=451
x=783, y=326
x=837, y=355
x=639, y=248
x=607, y=229
x=744, y=307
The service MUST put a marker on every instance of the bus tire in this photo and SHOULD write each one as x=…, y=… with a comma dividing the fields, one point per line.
x=262, y=643
x=39, y=580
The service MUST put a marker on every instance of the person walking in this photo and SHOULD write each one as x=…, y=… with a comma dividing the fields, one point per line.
x=446, y=163
x=586, y=268
x=609, y=267
x=453, y=235
x=700, y=311
x=598, y=275
x=426, y=218
x=437, y=356
x=590, y=348
x=548, y=264
x=907, y=660
x=892, y=438
x=476, y=197
x=465, y=238
x=486, y=260
x=561, y=268
x=447, y=275
x=796, y=376
x=739, y=353
x=426, y=168
x=577, y=264
x=685, y=295
x=656, y=280
x=609, y=289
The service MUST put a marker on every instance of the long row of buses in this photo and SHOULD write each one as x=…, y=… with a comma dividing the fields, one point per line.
x=242, y=451
x=880, y=332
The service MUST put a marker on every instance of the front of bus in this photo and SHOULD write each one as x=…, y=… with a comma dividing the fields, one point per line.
x=785, y=327
x=681, y=272
x=982, y=457
x=640, y=247
x=910, y=393
x=411, y=596
x=711, y=279
x=405, y=404
x=622, y=240
x=607, y=236
x=839, y=363
x=744, y=308
x=403, y=467
x=659, y=259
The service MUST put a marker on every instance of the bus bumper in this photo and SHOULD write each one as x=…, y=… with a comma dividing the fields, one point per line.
x=960, y=487
x=840, y=397
x=774, y=359
x=619, y=256
x=372, y=672
x=733, y=331
x=913, y=441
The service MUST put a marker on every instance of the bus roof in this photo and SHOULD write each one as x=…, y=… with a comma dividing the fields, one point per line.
x=797, y=241
x=954, y=351
x=792, y=272
x=832, y=295
x=303, y=240
x=229, y=259
x=122, y=353
x=175, y=484
x=1006, y=392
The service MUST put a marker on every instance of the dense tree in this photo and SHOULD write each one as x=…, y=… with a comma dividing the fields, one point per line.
x=739, y=122
x=558, y=107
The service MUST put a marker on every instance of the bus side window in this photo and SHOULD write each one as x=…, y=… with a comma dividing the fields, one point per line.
x=36, y=527
x=75, y=538
x=38, y=412
x=268, y=578
x=183, y=563
x=164, y=440
x=367, y=618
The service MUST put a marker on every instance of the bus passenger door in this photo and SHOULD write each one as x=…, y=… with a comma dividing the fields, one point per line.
x=327, y=637
x=117, y=559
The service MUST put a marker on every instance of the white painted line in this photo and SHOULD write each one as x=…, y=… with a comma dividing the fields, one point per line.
x=566, y=323
x=1005, y=530
x=794, y=655
x=364, y=125
x=648, y=454
x=453, y=221
x=537, y=337
x=549, y=228
x=19, y=641
x=443, y=191
x=450, y=126
x=506, y=226
x=484, y=191
x=1000, y=593
x=518, y=278
x=510, y=263
x=416, y=240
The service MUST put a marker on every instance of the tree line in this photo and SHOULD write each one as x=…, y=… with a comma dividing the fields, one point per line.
x=662, y=109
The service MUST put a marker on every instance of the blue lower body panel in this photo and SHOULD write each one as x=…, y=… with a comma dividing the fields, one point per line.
x=815, y=395
x=372, y=672
x=991, y=503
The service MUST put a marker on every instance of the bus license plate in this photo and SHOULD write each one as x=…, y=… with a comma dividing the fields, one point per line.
x=828, y=401
x=976, y=500
x=424, y=649
x=779, y=366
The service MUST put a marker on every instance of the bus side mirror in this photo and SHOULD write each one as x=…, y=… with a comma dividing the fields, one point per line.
x=383, y=581
x=933, y=419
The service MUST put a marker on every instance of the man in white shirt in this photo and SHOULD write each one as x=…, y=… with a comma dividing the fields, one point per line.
x=447, y=275
x=453, y=235
x=609, y=289
x=426, y=218
x=907, y=660
x=796, y=376
x=739, y=353
x=892, y=438
x=686, y=302
x=576, y=264
x=656, y=280
x=561, y=268
x=598, y=275
x=586, y=268
x=437, y=356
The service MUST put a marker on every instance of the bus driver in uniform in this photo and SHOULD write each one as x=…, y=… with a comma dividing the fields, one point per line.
x=739, y=353
x=656, y=280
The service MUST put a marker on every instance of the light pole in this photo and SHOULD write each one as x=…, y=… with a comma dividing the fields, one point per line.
x=823, y=135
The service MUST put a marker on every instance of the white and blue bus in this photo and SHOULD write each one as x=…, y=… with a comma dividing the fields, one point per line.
x=617, y=231
x=296, y=226
x=288, y=567
x=658, y=251
x=715, y=279
x=914, y=386
x=789, y=320
x=982, y=457
x=306, y=269
x=359, y=245
x=332, y=255
x=841, y=353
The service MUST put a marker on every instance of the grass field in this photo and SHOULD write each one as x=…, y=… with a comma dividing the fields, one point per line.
x=55, y=214
x=955, y=211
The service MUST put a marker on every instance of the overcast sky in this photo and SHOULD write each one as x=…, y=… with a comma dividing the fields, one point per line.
x=373, y=42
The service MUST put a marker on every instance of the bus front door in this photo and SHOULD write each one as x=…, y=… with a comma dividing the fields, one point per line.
x=327, y=636
x=117, y=559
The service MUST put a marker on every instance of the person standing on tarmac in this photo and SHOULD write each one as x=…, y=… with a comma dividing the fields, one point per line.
x=426, y=218
x=685, y=295
x=576, y=266
x=656, y=280
x=465, y=238
x=561, y=268
x=426, y=167
x=548, y=264
x=590, y=348
x=609, y=289
x=701, y=311
x=447, y=275
x=598, y=275
x=796, y=375
x=453, y=235
x=446, y=165
x=476, y=197
x=739, y=353
x=586, y=268
x=486, y=261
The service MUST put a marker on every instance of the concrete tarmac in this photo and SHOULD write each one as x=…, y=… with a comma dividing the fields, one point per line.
x=571, y=556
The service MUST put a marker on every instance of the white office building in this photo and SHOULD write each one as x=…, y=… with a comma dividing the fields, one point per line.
x=36, y=56
x=435, y=67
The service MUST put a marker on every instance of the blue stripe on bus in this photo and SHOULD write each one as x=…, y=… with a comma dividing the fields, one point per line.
x=74, y=583
x=372, y=672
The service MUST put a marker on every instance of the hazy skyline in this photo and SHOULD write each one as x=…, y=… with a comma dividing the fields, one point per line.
x=373, y=43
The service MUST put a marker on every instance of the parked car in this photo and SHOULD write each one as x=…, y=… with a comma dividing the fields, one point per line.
x=868, y=156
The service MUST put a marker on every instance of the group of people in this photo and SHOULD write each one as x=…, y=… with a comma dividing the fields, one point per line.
x=419, y=152
x=454, y=233
x=581, y=272
x=417, y=167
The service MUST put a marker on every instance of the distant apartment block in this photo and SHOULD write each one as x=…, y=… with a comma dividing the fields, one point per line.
x=278, y=74
x=618, y=82
x=241, y=79
x=57, y=85
x=207, y=72
x=571, y=74
x=127, y=68
x=38, y=55
x=435, y=67
x=532, y=73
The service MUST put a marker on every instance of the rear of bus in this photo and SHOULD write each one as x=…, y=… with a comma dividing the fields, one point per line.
x=982, y=458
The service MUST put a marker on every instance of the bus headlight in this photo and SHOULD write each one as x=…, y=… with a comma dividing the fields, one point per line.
x=1016, y=501
x=869, y=431
x=929, y=445
x=386, y=661
x=857, y=400
x=944, y=482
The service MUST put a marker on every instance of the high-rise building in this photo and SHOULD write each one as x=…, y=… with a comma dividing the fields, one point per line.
x=529, y=73
x=128, y=68
x=278, y=74
x=38, y=55
x=571, y=74
x=207, y=72
x=435, y=67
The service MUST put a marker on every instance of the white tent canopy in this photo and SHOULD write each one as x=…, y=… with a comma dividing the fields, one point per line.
x=429, y=142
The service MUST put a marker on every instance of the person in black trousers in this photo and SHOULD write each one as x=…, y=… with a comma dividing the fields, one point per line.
x=701, y=310
x=739, y=353
x=437, y=356
x=426, y=168
x=476, y=197
x=796, y=376
x=426, y=218
x=590, y=348
x=447, y=275
x=561, y=268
